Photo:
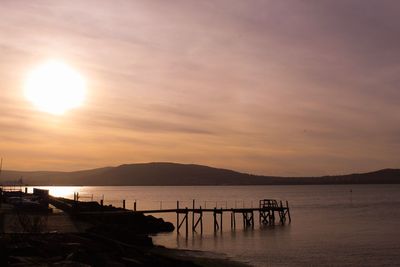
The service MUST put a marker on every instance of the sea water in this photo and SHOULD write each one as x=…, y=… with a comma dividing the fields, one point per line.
x=332, y=225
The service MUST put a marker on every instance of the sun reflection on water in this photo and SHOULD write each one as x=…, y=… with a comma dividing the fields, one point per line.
x=59, y=191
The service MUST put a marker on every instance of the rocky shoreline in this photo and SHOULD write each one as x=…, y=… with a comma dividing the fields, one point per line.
x=105, y=236
x=83, y=249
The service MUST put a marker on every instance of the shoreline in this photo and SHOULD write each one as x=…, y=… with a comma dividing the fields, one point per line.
x=83, y=249
x=199, y=257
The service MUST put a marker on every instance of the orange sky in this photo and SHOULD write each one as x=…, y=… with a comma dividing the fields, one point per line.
x=267, y=87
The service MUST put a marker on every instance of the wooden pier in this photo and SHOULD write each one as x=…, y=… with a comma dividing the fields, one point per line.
x=269, y=211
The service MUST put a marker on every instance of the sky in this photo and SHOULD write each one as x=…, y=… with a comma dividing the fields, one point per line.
x=285, y=88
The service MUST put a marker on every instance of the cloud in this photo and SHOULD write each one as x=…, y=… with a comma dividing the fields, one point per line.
x=274, y=87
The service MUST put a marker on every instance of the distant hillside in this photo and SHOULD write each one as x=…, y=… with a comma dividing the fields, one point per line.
x=186, y=174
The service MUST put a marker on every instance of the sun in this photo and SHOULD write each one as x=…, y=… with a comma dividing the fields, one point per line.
x=54, y=87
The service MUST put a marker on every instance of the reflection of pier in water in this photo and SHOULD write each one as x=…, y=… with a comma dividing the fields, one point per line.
x=269, y=210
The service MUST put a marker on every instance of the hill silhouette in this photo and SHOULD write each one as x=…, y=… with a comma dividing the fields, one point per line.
x=163, y=173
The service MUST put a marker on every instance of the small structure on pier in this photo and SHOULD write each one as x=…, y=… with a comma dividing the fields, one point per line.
x=268, y=207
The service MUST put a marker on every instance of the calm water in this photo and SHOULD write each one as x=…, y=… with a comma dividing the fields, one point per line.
x=331, y=226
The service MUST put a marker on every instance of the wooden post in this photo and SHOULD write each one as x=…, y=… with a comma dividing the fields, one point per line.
x=134, y=205
x=288, y=212
x=201, y=221
x=231, y=218
x=123, y=203
x=273, y=216
x=193, y=215
x=26, y=190
x=101, y=202
x=215, y=220
x=187, y=219
x=221, y=221
x=76, y=198
x=177, y=217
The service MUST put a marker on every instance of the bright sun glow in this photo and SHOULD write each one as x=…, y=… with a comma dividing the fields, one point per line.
x=54, y=87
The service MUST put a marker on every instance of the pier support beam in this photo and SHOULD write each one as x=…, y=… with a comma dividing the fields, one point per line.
x=184, y=220
x=194, y=205
x=248, y=219
x=288, y=211
x=199, y=220
x=216, y=225
x=233, y=219
x=177, y=217
x=266, y=217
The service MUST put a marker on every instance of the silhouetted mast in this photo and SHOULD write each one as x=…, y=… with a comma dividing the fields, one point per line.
x=1, y=165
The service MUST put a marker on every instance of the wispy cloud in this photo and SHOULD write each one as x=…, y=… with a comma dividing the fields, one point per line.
x=274, y=87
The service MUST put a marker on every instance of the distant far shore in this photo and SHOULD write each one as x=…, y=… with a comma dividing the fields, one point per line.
x=218, y=185
x=175, y=174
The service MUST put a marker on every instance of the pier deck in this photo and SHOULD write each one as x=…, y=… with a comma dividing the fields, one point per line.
x=182, y=210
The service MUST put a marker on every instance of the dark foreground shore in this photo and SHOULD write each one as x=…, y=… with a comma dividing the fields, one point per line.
x=92, y=250
x=84, y=249
x=63, y=232
x=200, y=258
